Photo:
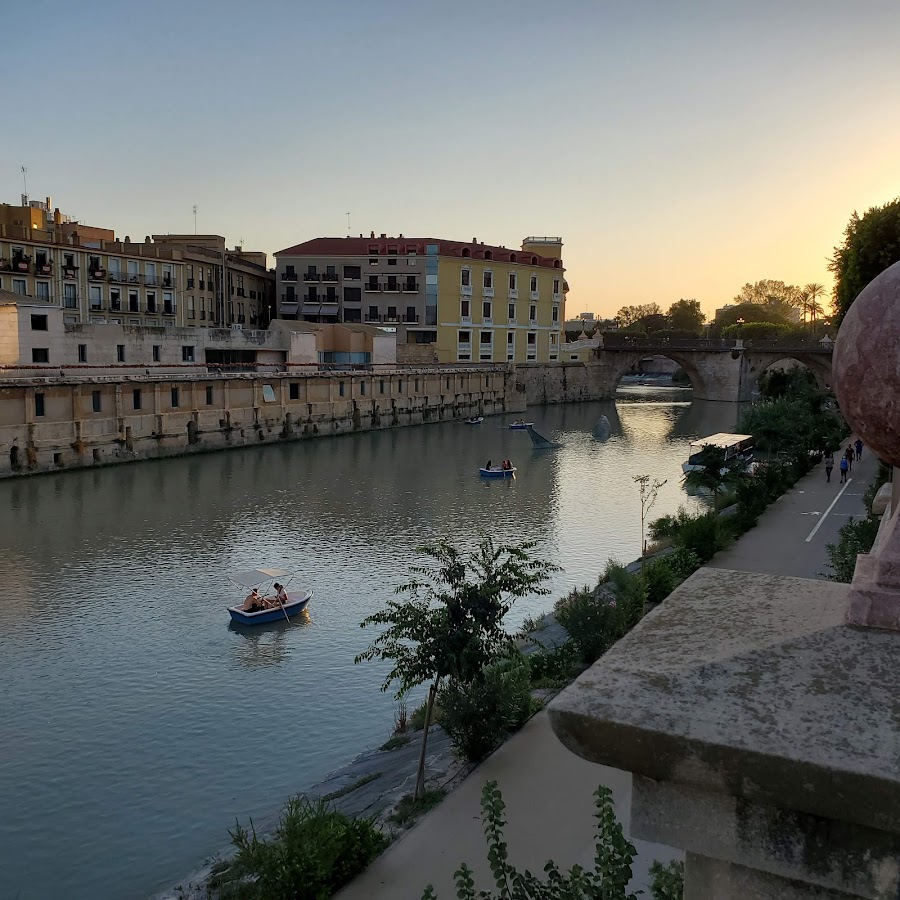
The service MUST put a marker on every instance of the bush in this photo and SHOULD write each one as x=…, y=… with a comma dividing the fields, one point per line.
x=882, y=476
x=553, y=668
x=593, y=620
x=417, y=716
x=479, y=714
x=667, y=882
x=409, y=809
x=608, y=880
x=315, y=851
x=854, y=538
x=704, y=535
x=629, y=592
x=756, y=331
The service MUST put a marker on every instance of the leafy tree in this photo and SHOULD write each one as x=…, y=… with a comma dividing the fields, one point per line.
x=613, y=856
x=811, y=305
x=769, y=292
x=450, y=623
x=685, y=315
x=753, y=312
x=871, y=244
x=628, y=315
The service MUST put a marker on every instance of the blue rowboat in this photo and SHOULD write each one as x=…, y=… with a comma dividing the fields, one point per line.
x=520, y=426
x=476, y=420
x=497, y=472
x=297, y=604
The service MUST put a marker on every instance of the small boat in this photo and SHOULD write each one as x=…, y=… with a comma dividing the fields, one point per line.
x=475, y=420
x=737, y=447
x=497, y=472
x=521, y=425
x=298, y=599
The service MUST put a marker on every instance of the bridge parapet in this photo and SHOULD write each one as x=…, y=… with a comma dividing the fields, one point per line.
x=629, y=342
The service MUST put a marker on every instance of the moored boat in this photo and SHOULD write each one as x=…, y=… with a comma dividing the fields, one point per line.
x=520, y=425
x=497, y=472
x=737, y=448
x=475, y=420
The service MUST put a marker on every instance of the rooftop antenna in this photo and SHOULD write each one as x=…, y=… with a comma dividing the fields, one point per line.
x=348, y=224
x=195, y=218
x=25, y=185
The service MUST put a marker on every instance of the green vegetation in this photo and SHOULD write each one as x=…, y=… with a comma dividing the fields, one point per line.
x=450, y=623
x=480, y=713
x=871, y=244
x=350, y=788
x=856, y=537
x=395, y=741
x=667, y=881
x=315, y=851
x=554, y=668
x=409, y=809
x=613, y=856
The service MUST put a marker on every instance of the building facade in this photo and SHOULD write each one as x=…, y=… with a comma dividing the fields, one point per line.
x=469, y=302
x=169, y=280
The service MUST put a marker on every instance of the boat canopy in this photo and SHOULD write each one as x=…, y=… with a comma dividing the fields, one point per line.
x=253, y=577
x=723, y=440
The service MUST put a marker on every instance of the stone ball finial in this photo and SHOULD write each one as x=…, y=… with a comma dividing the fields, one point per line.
x=866, y=365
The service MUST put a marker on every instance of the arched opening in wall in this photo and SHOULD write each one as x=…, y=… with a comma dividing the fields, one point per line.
x=645, y=375
x=776, y=378
x=466, y=252
x=14, y=461
x=488, y=254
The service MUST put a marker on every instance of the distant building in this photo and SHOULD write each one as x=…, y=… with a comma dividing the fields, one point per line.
x=457, y=301
x=95, y=278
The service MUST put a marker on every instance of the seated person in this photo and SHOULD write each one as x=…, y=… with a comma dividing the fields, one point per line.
x=253, y=602
x=488, y=464
x=280, y=598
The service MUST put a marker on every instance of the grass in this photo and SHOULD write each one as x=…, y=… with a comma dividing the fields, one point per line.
x=350, y=788
x=417, y=717
x=408, y=809
x=395, y=741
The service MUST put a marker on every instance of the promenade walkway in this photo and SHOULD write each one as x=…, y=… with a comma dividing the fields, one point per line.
x=792, y=534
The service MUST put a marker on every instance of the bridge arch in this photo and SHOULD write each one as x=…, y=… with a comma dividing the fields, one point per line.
x=627, y=363
x=819, y=364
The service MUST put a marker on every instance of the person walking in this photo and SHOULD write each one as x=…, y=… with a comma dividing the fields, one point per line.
x=859, y=446
x=848, y=455
x=829, y=465
x=845, y=467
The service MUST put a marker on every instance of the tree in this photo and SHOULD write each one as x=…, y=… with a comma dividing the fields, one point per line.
x=450, y=623
x=648, y=491
x=812, y=292
x=752, y=312
x=871, y=244
x=628, y=315
x=767, y=291
x=685, y=315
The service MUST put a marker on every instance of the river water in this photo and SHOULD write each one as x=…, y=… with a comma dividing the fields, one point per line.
x=136, y=725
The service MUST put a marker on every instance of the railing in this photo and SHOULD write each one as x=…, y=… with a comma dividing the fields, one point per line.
x=190, y=282
x=289, y=276
x=97, y=274
x=153, y=280
x=43, y=269
x=542, y=240
x=411, y=320
x=21, y=265
x=169, y=310
x=310, y=276
x=411, y=287
x=391, y=287
x=332, y=278
x=639, y=342
x=202, y=285
x=372, y=287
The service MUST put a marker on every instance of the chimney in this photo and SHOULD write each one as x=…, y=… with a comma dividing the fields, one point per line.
x=372, y=235
x=384, y=235
x=57, y=217
x=147, y=239
x=401, y=235
x=127, y=239
x=474, y=240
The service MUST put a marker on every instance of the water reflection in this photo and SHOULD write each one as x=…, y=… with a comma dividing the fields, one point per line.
x=124, y=687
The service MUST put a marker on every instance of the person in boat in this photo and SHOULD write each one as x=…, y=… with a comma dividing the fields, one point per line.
x=280, y=598
x=253, y=602
x=488, y=465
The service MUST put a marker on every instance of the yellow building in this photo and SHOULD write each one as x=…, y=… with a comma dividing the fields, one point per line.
x=455, y=301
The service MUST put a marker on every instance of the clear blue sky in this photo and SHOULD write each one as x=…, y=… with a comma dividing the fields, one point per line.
x=680, y=149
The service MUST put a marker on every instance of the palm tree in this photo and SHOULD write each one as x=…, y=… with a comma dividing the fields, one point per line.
x=813, y=291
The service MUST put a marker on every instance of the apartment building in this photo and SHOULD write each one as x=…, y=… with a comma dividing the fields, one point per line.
x=169, y=280
x=470, y=302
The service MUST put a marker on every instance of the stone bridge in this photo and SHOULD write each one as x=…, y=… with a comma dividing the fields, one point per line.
x=718, y=369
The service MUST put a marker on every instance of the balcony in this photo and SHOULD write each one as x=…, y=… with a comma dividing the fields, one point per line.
x=466, y=320
x=97, y=274
x=168, y=281
x=202, y=285
x=557, y=297
x=411, y=320
x=411, y=287
x=392, y=286
x=115, y=306
x=288, y=276
x=331, y=278
x=117, y=278
x=513, y=293
x=152, y=280
x=372, y=287
x=135, y=306
x=43, y=268
x=370, y=318
x=70, y=271
x=310, y=276
x=487, y=292
x=532, y=323
x=190, y=282
x=487, y=320
x=535, y=295
x=96, y=306
x=240, y=292
x=169, y=309
x=464, y=348
x=465, y=290
x=21, y=264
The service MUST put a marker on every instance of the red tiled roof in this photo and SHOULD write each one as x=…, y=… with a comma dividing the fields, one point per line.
x=329, y=246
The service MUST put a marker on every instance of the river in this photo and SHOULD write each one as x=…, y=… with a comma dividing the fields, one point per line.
x=136, y=725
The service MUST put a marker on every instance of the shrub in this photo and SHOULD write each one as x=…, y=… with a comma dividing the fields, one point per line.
x=409, y=809
x=704, y=535
x=629, y=592
x=593, y=620
x=417, y=716
x=667, y=882
x=608, y=880
x=882, y=476
x=854, y=538
x=553, y=668
x=479, y=714
x=315, y=851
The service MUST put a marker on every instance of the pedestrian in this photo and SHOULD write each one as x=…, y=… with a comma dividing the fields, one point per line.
x=848, y=455
x=829, y=465
x=859, y=446
x=845, y=467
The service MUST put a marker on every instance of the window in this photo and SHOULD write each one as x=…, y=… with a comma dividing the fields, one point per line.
x=352, y=295
x=70, y=296
x=399, y=385
x=352, y=272
x=373, y=262
x=513, y=281
x=465, y=337
x=465, y=308
x=136, y=398
x=417, y=386
x=168, y=303
x=487, y=278
x=553, y=338
x=115, y=299
x=532, y=339
x=39, y=404
x=340, y=388
x=294, y=390
x=555, y=285
x=511, y=312
x=486, y=308
x=510, y=337
x=134, y=303
x=43, y=290
x=190, y=308
x=156, y=349
x=487, y=337
x=209, y=395
x=381, y=386
x=187, y=353
x=373, y=314
x=38, y=323
x=40, y=354
x=362, y=388
x=120, y=352
x=174, y=398
x=392, y=262
x=466, y=278
x=82, y=353
x=555, y=313
x=19, y=286
x=532, y=313
x=95, y=401
x=534, y=286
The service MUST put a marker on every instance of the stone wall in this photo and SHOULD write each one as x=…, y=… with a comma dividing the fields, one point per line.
x=52, y=424
x=560, y=382
x=417, y=354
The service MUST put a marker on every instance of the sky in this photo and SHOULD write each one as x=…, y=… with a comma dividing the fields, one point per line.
x=681, y=149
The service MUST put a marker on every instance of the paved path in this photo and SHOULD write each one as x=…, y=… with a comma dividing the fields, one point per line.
x=791, y=535
x=549, y=805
